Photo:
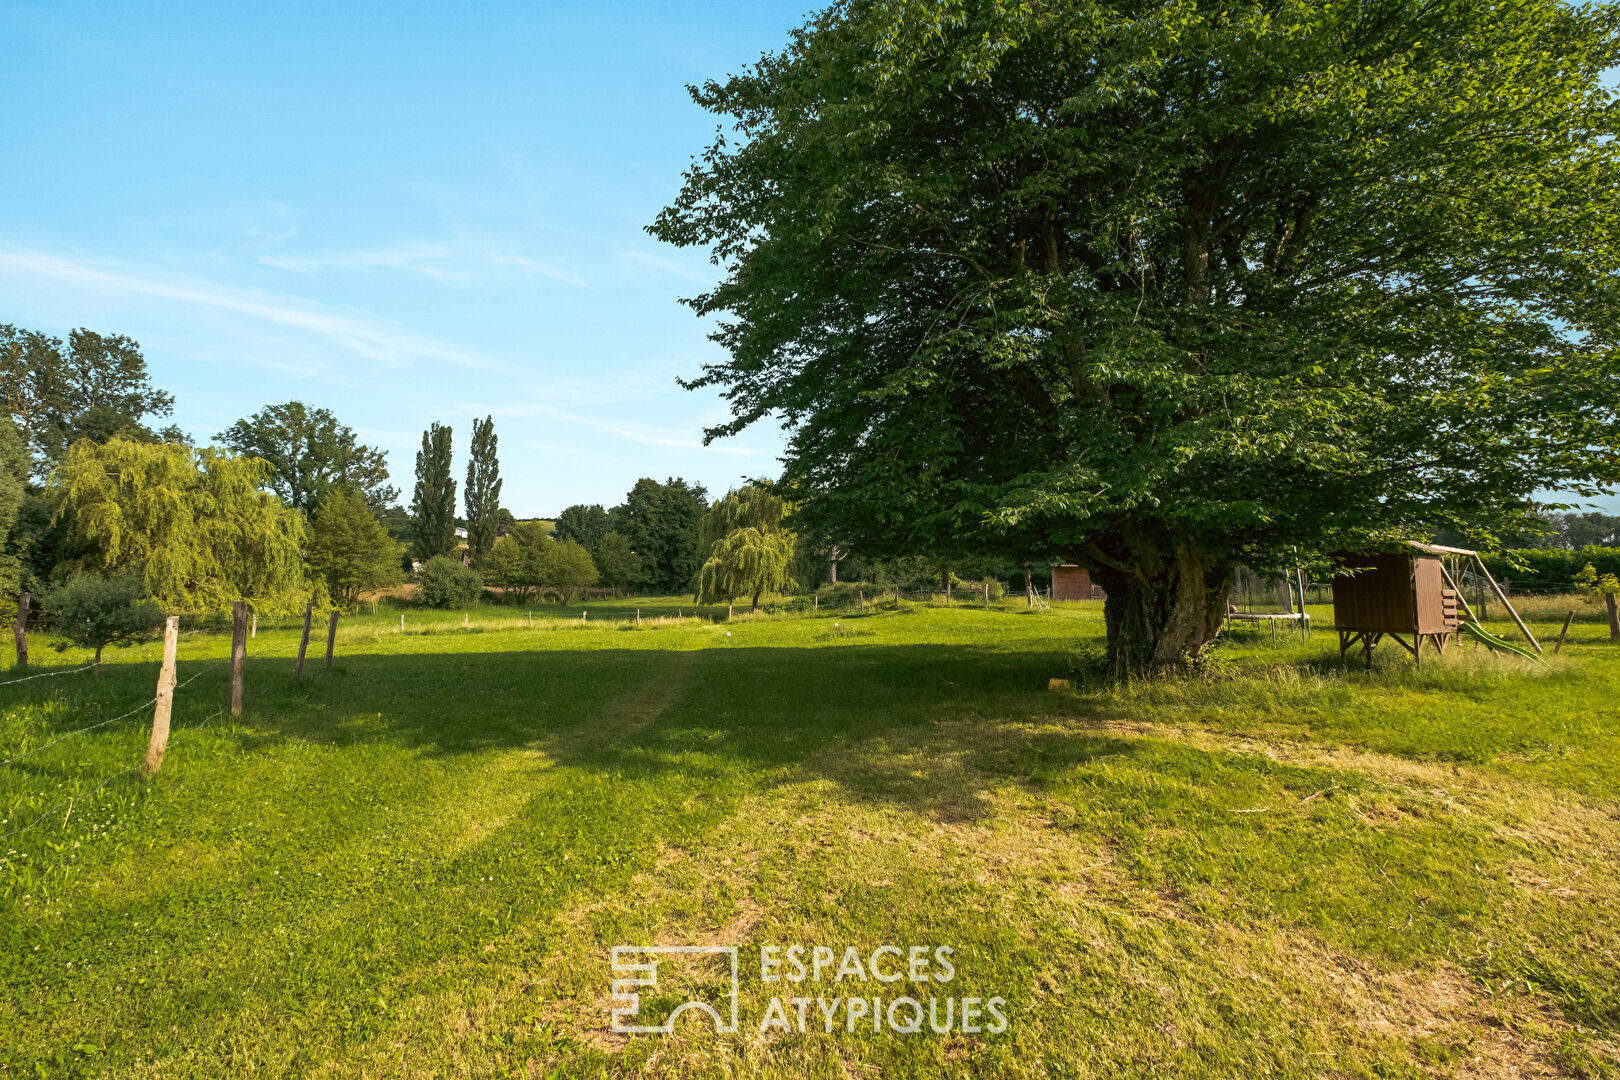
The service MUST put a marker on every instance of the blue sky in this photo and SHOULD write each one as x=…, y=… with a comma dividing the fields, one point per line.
x=403, y=213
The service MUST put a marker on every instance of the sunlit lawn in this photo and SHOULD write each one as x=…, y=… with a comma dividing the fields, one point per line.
x=416, y=863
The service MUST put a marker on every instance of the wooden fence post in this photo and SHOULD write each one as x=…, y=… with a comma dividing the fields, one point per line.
x=165, y=699
x=253, y=627
x=582, y=615
x=402, y=622
x=638, y=616
x=238, y=654
x=331, y=638
x=1559, y=644
x=22, y=630
x=303, y=642
x=530, y=614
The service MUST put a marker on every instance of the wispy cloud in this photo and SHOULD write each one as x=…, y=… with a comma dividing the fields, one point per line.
x=667, y=266
x=464, y=262
x=419, y=259
x=367, y=338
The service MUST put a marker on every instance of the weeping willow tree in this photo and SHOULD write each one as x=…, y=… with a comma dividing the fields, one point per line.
x=748, y=551
x=195, y=524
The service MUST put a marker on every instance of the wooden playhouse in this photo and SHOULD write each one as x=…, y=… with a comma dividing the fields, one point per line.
x=1072, y=582
x=1408, y=596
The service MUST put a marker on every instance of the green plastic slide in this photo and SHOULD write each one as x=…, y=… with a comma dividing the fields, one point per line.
x=1491, y=641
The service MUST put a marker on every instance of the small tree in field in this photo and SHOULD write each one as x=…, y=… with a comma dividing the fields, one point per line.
x=747, y=551
x=619, y=566
x=350, y=549
x=518, y=560
x=747, y=562
x=93, y=612
x=568, y=569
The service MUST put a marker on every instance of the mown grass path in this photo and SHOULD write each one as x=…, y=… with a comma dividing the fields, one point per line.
x=416, y=864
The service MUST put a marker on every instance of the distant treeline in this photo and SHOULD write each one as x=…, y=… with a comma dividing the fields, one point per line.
x=1550, y=569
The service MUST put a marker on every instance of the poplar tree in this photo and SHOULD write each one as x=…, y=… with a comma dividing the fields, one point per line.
x=483, y=492
x=433, y=505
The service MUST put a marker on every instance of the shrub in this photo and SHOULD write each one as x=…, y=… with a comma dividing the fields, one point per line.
x=445, y=583
x=93, y=612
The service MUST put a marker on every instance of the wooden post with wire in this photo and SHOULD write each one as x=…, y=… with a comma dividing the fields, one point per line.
x=165, y=699
x=303, y=642
x=331, y=638
x=22, y=631
x=239, y=625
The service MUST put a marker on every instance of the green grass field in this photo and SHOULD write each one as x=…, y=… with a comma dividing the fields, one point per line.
x=417, y=863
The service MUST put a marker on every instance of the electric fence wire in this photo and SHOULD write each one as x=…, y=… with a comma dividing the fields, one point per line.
x=92, y=727
x=68, y=802
x=46, y=675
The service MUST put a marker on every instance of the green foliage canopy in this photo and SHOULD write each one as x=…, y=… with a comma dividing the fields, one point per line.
x=308, y=453
x=748, y=552
x=92, y=612
x=583, y=524
x=616, y=561
x=94, y=386
x=13, y=482
x=1164, y=288
x=349, y=548
x=661, y=523
x=446, y=583
x=567, y=569
x=194, y=524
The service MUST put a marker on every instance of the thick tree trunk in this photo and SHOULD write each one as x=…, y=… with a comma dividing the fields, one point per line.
x=1029, y=589
x=97, y=666
x=945, y=584
x=1614, y=616
x=1167, y=598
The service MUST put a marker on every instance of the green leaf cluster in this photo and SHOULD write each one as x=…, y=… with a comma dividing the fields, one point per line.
x=349, y=548
x=195, y=525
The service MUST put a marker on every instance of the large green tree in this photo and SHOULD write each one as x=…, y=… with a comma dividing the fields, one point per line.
x=309, y=453
x=92, y=386
x=433, y=505
x=349, y=548
x=196, y=526
x=661, y=523
x=483, y=491
x=1169, y=287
